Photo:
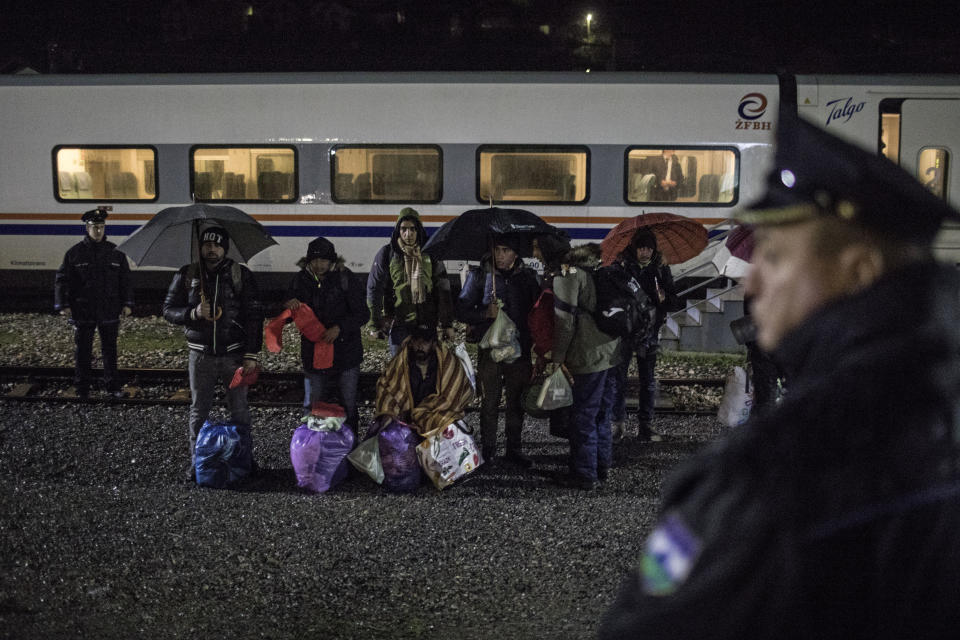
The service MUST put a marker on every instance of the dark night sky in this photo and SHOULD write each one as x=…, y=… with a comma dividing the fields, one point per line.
x=314, y=35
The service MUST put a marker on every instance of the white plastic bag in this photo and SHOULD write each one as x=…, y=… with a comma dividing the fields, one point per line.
x=448, y=454
x=737, y=399
x=502, y=338
x=461, y=352
x=366, y=458
x=555, y=392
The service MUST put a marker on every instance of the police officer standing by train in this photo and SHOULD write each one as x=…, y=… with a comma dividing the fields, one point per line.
x=92, y=288
x=835, y=514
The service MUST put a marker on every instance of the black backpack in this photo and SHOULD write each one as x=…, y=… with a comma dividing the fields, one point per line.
x=623, y=309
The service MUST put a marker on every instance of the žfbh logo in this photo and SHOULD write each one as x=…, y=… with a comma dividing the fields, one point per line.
x=752, y=106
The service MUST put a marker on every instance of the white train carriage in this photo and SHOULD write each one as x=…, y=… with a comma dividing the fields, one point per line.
x=340, y=154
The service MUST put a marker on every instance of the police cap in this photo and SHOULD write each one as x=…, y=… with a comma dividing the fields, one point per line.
x=817, y=174
x=95, y=216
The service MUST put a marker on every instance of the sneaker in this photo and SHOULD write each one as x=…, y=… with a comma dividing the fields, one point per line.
x=119, y=394
x=646, y=434
x=573, y=481
x=520, y=459
x=617, y=431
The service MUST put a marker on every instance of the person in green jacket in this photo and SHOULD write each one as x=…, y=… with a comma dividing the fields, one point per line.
x=406, y=288
x=589, y=356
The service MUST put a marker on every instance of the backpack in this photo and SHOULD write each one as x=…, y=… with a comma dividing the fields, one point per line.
x=623, y=309
x=540, y=322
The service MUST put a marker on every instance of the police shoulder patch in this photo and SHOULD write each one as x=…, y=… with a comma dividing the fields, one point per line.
x=669, y=556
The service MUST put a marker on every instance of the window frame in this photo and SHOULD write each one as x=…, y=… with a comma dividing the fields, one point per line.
x=191, y=173
x=687, y=147
x=534, y=148
x=331, y=154
x=56, y=171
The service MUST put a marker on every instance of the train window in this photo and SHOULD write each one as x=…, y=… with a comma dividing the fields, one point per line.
x=533, y=174
x=248, y=173
x=380, y=173
x=689, y=175
x=97, y=173
x=932, y=167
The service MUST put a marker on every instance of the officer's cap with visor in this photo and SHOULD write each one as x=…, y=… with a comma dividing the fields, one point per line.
x=817, y=174
x=95, y=216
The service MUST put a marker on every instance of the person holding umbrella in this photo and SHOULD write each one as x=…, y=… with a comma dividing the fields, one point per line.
x=92, y=289
x=504, y=278
x=644, y=263
x=406, y=287
x=216, y=302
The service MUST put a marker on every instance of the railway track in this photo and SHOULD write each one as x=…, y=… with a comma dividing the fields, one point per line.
x=170, y=387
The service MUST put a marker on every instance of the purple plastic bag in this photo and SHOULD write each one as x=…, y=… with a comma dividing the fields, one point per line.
x=398, y=454
x=320, y=457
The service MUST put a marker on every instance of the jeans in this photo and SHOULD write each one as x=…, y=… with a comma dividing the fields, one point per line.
x=647, y=387
x=591, y=444
x=495, y=378
x=205, y=370
x=323, y=384
x=83, y=353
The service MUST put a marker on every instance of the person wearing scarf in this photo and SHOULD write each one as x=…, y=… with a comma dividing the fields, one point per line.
x=406, y=287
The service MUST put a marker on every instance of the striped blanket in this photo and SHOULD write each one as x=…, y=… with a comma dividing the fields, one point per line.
x=436, y=411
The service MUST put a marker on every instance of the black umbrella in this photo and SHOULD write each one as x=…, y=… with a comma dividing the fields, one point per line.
x=470, y=235
x=169, y=239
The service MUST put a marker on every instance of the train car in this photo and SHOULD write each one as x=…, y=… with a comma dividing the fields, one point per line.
x=340, y=154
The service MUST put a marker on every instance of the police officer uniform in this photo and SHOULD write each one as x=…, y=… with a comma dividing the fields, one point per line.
x=93, y=282
x=837, y=513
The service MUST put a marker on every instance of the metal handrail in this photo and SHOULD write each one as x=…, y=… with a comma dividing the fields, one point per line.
x=708, y=298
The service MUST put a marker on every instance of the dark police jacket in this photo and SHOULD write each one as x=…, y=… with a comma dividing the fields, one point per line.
x=836, y=514
x=239, y=330
x=93, y=281
x=338, y=299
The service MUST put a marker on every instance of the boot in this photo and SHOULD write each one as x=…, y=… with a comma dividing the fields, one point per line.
x=519, y=458
x=646, y=434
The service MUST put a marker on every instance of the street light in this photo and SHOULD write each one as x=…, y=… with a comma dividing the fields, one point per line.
x=589, y=20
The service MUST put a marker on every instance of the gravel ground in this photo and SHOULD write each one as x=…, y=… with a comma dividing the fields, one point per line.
x=100, y=537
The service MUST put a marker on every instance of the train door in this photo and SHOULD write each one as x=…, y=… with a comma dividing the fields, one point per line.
x=924, y=137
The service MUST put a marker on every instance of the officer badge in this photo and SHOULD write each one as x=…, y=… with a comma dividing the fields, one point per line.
x=669, y=556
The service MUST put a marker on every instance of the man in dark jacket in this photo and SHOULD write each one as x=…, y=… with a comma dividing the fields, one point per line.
x=669, y=175
x=835, y=514
x=406, y=287
x=516, y=286
x=92, y=289
x=216, y=302
x=644, y=263
x=337, y=300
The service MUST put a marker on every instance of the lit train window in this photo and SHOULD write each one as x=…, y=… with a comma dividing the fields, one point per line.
x=682, y=175
x=98, y=172
x=932, y=167
x=248, y=173
x=380, y=173
x=533, y=174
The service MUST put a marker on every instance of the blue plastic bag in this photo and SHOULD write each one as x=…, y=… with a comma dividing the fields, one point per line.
x=223, y=455
x=318, y=452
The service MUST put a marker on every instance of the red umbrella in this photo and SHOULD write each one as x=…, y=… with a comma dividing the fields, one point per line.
x=740, y=242
x=678, y=238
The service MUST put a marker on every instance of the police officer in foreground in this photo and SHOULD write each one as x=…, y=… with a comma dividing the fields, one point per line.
x=92, y=288
x=837, y=513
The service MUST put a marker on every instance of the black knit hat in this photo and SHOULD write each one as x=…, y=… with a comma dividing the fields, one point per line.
x=217, y=235
x=643, y=237
x=321, y=248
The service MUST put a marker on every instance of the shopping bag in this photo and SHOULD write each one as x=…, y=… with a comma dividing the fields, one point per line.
x=502, y=338
x=737, y=399
x=461, y=352
x=223, y=454
x=366, y=458
x=555, y=392
x=318, y=451
x=398, y=455
x=449, y=454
